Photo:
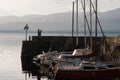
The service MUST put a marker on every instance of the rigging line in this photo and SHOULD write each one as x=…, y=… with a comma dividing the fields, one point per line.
x=90, y=24
x=51, y=44
x=101, y=29
x=64, y=44
x=98, y=20
x=90, y=31
x=61, y=45
x=67, y=43
x=85, y=24
x=86, y=18
x=87, y=4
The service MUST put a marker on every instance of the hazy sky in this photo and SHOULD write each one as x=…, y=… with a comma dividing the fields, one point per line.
x=43, y=7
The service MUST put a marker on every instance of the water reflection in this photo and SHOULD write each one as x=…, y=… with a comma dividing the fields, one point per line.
x=30, y=69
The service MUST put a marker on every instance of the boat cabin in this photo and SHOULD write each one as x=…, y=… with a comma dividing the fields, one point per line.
x=89, y=66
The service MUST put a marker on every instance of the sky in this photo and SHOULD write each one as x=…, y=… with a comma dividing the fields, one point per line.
x=45, y=7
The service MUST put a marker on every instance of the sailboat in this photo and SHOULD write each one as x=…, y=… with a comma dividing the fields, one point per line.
x=86, y=68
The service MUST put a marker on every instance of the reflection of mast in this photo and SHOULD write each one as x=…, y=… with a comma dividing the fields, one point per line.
x=77, y=22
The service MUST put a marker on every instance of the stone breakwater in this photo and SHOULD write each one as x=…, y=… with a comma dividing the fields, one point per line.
x=36, y=45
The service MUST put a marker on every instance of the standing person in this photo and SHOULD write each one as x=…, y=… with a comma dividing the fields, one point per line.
x=26, y=29
x=39, y=32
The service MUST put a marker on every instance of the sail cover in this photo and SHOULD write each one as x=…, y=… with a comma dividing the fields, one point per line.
x=82, y=53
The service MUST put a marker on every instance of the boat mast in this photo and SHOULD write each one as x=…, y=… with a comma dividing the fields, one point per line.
x=73, y=20
x=96, y=18
x=77, y=23
x=91, y=24
x=72, y=23
x=85, y=23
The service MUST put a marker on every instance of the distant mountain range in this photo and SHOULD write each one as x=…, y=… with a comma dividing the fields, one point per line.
x=110, y=21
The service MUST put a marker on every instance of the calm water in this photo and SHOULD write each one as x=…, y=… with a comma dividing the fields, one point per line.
x=10, y=52
x=10, y=60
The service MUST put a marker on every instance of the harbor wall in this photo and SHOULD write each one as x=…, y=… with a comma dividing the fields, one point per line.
x=37, y=44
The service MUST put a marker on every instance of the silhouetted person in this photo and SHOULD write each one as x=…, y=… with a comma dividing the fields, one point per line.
x=39, y=32
x=26, y=28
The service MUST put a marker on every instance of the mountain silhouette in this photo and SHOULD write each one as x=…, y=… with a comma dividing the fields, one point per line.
x=110, y=21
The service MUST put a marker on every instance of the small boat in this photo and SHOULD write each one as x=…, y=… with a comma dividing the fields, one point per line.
x=85, y=69
x=45, y=58
x=88, y=70
x=49, y=57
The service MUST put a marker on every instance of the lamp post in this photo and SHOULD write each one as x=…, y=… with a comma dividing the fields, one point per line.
x=26, y=29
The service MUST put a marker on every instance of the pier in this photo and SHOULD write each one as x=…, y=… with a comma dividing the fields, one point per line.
x=38, y=44
x=105, y=48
